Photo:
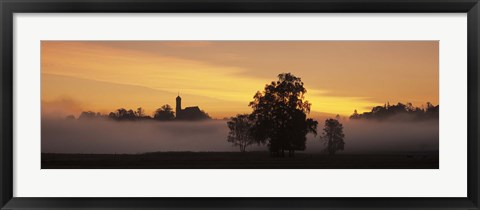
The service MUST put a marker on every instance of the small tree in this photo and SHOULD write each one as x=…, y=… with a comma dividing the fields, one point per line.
x=240, y=135
x=140, y=112
x=355, y=115
x=164, y=113
x=333, y=136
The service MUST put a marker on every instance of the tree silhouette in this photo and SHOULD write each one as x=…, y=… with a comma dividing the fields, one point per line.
x=140, y=112
x=164, y=113
x=399, y=111
x=123, y=114
x=280, y=114
x=240, y=131
x=87, y=115
x=355, y=115
x=333, y=136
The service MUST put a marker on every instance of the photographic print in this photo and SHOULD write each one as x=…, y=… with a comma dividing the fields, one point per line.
x=240, y=105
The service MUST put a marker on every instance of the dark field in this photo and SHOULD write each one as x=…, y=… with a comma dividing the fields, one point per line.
x=237, y=160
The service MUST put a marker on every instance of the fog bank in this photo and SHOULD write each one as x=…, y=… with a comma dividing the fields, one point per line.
x=105, y=136
x=370, y=136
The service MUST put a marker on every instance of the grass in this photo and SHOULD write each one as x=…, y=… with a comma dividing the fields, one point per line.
x=238, y=160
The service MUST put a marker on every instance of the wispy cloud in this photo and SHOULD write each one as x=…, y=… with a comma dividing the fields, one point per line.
x=220, y=74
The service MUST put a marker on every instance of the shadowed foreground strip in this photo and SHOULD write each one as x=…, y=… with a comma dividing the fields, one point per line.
x=237, y=160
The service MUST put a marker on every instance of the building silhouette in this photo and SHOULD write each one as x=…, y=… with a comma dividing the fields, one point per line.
x=189, y=113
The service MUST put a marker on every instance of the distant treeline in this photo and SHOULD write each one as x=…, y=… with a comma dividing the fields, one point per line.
x=164, y=113
x=400, y=111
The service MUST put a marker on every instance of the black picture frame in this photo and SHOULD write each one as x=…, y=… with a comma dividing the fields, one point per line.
x=9, y=7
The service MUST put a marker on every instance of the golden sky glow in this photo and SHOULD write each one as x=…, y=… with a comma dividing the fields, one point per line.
x=222, y=76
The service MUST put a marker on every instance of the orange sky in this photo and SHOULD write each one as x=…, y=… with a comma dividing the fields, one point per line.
x=222, y=76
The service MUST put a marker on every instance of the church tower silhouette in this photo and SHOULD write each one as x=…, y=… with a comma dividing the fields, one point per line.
x=178, y=107
x=189, y=113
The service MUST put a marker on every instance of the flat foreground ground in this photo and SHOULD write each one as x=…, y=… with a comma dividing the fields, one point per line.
x=237, y=160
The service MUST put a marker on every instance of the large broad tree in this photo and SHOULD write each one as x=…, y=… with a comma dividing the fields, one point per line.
x=240, y=131
x=280, y=114
x=333, y=136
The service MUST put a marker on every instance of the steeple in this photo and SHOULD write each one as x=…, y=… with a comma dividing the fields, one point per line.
x=178, y=107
